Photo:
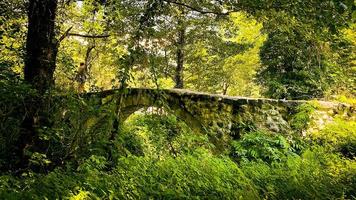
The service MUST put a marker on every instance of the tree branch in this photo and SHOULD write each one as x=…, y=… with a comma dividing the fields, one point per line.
x=88, y=36
x=65, y=34
x=200, y=10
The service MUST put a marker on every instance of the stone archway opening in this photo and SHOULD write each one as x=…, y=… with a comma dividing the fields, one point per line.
x=157, y=132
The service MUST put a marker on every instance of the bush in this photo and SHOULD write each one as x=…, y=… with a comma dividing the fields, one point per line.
x=316, y=174
x=15, y=96
x=264, y=146
x=301, y=119
x=340, y=136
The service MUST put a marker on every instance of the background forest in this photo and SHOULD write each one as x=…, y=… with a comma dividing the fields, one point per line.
x=54, y=52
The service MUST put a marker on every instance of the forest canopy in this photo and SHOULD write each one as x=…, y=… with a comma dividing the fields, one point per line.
x=279, y=49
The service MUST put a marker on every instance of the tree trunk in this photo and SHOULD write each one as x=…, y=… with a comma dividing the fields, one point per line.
x=88, y=57
x=41, y=44
x=178, y=78
x=40, y=62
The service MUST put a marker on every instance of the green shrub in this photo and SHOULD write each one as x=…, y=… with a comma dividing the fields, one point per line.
x=301, y=119
x=316, y=174
x=264, y=146
x=79, y=128
x=15, y=96
x=340, y=135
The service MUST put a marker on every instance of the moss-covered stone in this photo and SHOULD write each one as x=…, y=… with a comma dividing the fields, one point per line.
x=224, y=118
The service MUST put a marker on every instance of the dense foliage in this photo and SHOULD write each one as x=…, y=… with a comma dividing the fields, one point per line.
x=58, y=140
x=157, y=156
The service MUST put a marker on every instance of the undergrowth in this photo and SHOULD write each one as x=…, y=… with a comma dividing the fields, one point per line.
x=315, y=174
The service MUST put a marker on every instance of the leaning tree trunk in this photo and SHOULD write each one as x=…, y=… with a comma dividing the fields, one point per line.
x=40, y=62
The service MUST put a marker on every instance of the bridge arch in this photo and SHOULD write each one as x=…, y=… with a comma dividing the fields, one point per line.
x=135, y=100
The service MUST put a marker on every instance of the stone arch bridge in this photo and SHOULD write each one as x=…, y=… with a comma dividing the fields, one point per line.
x=218, y=115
